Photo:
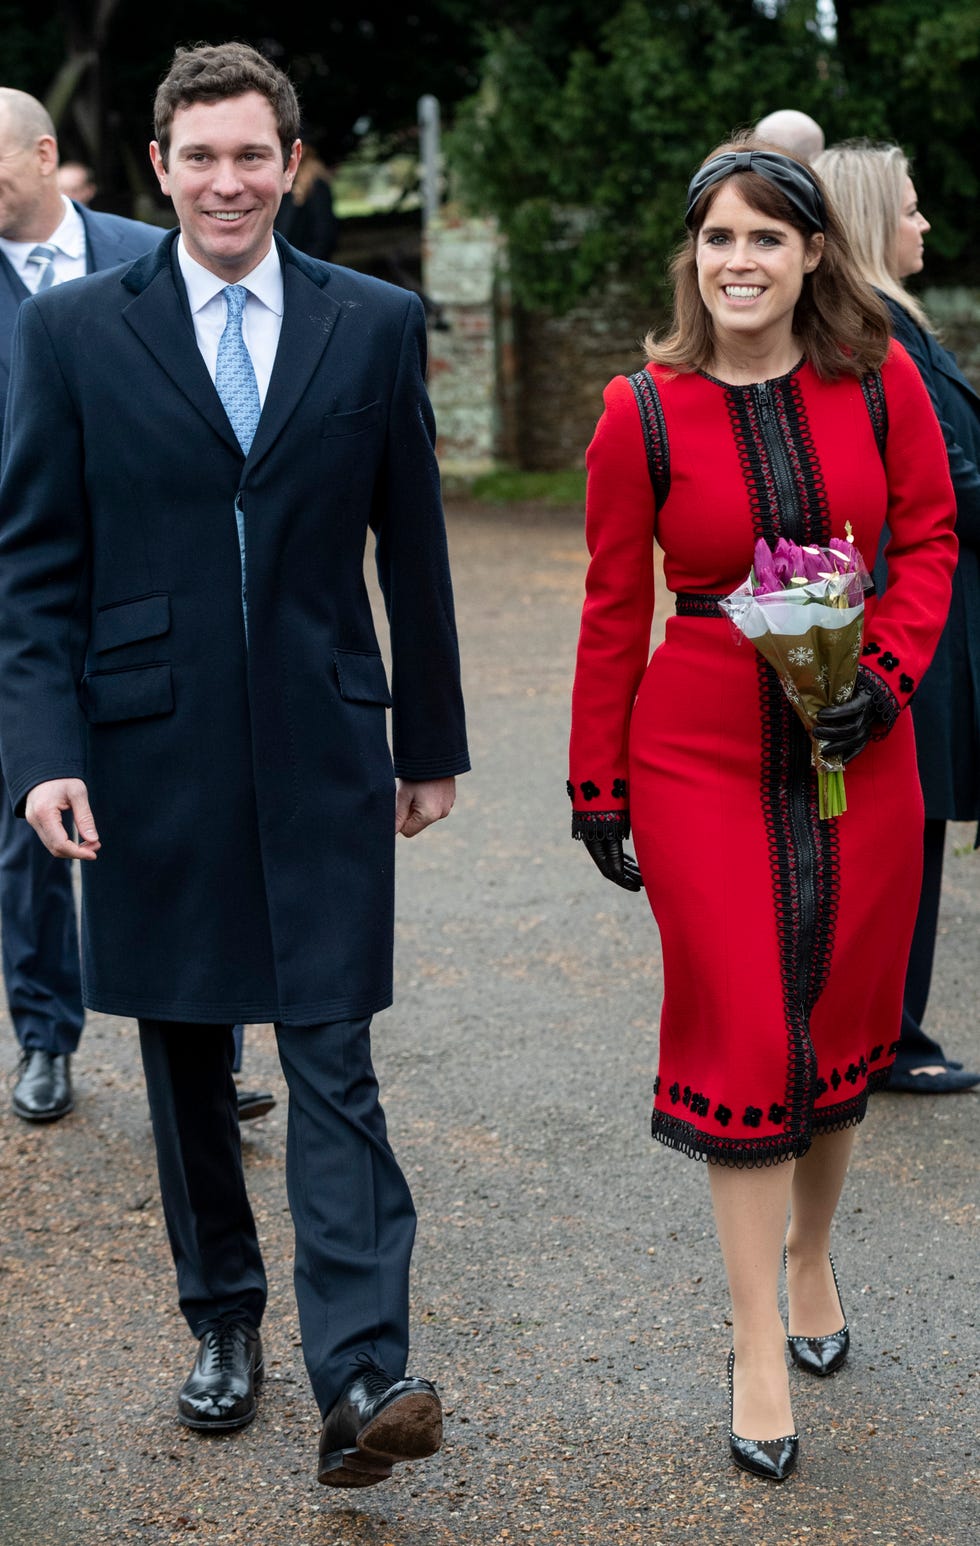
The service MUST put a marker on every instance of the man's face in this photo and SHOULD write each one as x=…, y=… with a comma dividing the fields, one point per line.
x=25, y=174
x=226, y=179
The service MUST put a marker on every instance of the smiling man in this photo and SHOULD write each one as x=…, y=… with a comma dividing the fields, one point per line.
x=189, y=667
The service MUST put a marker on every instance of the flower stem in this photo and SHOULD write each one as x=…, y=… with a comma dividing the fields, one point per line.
x=831, y=799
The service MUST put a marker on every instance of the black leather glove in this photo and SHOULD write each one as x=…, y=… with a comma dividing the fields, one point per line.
x=845, y=729
x=607, y=854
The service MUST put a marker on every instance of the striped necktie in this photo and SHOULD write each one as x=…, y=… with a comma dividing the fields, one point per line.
x=42, y=256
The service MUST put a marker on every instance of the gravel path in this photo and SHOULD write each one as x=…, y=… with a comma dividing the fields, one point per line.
x=568, y=1294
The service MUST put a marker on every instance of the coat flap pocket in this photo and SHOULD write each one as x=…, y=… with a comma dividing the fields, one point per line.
x=126, y=622
x=362, y=677
x=137, y=693
x=351, y=423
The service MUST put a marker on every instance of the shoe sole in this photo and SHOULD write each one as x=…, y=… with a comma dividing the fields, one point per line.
x=255, y=1109
x=410, y=1428
x=41, y=1116
x=223, y=1425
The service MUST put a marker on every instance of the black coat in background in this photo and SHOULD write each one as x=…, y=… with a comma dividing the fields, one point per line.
x=946, y=705
x=243, y=793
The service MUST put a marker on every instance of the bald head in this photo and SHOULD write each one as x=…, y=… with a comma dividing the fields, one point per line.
x=793, y=131
x=23, y=118
x=31, y=206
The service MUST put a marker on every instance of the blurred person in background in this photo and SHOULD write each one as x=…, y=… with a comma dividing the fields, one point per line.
x=873, y=192
x=792, y=130
x=77, y=181
x=45, y=241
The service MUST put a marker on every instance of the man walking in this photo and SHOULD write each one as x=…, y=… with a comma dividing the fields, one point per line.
x=188, y=665
x=45, y=239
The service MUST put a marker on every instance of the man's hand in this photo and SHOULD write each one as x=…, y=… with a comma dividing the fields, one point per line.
x=45, y=805
x=417, y=806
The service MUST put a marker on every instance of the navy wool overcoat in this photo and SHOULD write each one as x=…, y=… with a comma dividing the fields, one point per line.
x=946, y=706
x=243, y=787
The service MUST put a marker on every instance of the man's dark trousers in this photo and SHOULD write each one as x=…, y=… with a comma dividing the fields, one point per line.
x=41, y=965
x=352, y=1210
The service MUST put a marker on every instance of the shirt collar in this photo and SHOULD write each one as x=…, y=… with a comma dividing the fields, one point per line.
x=264, y=281
x=68, y=237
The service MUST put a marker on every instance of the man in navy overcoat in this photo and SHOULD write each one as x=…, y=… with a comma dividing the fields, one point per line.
x=37, y=901
x=189, y=666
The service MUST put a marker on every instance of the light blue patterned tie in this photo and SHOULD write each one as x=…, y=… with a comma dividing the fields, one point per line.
x=238, y=389
x=43, y=257
x=234, y=375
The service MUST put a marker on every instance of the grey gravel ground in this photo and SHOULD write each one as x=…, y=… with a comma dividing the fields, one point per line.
x=568, y=1294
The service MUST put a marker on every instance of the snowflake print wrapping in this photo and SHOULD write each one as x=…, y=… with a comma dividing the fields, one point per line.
x=803, y=609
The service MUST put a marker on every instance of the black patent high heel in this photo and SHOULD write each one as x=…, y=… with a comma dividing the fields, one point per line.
x=773, y=1459
x=822, y=1355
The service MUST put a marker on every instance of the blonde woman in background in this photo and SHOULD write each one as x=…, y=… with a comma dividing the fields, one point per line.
x=874, y=195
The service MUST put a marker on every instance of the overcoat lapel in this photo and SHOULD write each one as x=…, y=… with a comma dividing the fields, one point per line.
x=309, y=320
x=12, y=291
x=160, y=316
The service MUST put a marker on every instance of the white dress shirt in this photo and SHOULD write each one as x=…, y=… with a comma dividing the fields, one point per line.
x=69, y=259
x=261, y=319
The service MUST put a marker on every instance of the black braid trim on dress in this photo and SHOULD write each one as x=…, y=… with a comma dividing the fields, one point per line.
x=833, y=1119
x=809, y=472
x=753, y=468
x=600, y=824
x=877, y=404
x=735, y=1153
x=654, y=428
x=776, y=451
x=785, y=761
x=826, y=841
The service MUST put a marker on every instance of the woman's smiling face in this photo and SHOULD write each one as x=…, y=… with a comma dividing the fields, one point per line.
x=751, y=268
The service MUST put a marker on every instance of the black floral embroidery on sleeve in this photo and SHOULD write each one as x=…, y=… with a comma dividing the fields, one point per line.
x=871, y=648
x=777, y=1114
x=906, y=683
x=888, y=661
x=590, y=791
x=570, y=788
x=619, y=789
x=723, y=1115
x=752, y=1116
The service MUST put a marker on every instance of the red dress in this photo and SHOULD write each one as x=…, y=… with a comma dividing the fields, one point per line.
x=784, y=937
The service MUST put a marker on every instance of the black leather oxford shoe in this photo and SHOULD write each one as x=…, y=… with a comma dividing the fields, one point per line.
x=219, y=1392
x=43, y=1089
x=376, y=1423
x=254, y=1103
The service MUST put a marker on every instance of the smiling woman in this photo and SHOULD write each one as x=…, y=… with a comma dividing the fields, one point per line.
x=774, y=409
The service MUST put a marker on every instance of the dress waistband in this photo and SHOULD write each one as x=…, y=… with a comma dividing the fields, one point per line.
x=694, y=603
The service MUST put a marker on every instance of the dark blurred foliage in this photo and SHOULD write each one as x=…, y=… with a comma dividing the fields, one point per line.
x=577, y=125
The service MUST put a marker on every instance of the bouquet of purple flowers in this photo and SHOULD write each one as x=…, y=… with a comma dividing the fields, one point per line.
x=803, y=609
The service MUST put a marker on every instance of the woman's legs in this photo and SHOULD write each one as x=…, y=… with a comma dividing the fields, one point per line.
x=814, y=1308
x=750, y=1213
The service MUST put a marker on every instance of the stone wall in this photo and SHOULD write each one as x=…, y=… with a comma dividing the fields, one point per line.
x=471, y=362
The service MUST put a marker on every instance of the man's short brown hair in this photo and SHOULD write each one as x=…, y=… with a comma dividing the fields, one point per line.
x=210, y=73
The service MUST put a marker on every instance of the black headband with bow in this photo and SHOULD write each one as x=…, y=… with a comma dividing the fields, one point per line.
x=790, y=177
